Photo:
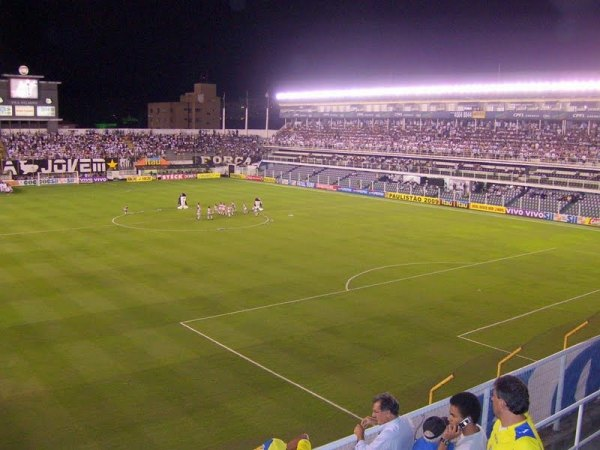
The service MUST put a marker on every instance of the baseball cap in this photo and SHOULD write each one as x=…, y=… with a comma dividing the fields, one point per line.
x=434, y=426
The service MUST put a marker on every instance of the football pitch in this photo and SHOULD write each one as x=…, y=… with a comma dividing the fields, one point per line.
x=155, y=330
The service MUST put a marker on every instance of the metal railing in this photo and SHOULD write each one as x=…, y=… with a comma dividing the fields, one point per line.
x=550, y=425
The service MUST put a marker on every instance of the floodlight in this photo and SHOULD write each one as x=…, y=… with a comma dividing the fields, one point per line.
x=514, y=88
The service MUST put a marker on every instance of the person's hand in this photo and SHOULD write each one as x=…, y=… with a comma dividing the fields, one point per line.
x=359, y=432
x=451, y=432
x=368, y=421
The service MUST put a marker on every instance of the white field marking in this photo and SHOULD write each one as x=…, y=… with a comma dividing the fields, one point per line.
x=496, y=348
x=425, y=205
x=272, y=372
x=133, y=227
x=392, y=265
x=271, y=305
x=466, y=266
x=529, y=313
x=287, y=380
x=328, y=294
x=462, y=336
x=57, y=230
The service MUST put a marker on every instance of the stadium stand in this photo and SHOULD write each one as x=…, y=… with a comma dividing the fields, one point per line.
x=492, y=140
x=119, y=144
x=534, y=166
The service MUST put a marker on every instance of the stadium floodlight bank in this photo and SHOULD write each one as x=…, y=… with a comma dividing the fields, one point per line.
x=523, y=88
x=542, y=100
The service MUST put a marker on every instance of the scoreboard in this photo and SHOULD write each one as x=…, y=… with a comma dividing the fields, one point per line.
x=26, y=98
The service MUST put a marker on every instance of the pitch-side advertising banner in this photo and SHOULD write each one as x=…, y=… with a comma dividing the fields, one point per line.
x=488, y=208
x=412, y=198
x=208, y=176
x=92, y=179
x=326, y=187
x=177, y=176
x=526, y=213
x=139, y=179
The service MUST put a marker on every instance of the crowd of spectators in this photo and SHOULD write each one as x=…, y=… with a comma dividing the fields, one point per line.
x=119, y=144
x=507, y=140
x=460, y=430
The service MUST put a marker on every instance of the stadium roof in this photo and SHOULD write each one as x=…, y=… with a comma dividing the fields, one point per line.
x=519, y=88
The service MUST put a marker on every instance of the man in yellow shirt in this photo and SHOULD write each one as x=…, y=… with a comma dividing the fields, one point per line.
x=513, y=429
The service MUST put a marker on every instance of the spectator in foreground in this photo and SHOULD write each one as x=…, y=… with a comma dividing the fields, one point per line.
x=433, y=427
x=298, y=443
x=513, y=428
x=462, y=429
x=396, y=432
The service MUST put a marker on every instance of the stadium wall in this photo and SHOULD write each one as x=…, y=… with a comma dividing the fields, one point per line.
x=543, y=215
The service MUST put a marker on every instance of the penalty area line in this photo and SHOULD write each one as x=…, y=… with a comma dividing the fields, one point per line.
x=529, y=313
x=272, y=372
x=299, y=386
x=353, y=277
x=496, y=348
x=510, y=319
x=329, y=294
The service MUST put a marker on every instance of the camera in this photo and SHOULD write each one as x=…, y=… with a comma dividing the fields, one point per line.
x=463, y=423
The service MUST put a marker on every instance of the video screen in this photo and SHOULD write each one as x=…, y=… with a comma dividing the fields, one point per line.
x=23, y=88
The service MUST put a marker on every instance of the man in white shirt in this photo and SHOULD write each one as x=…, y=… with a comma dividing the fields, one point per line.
x=395, y=433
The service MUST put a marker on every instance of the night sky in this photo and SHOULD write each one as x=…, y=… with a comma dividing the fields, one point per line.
x=114, y=57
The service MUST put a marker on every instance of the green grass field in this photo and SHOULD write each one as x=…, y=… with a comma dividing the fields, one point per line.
x=344, y=296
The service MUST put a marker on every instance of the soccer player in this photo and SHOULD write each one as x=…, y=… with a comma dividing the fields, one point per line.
x=125, y=209
x=258, y=206
x=182, y=204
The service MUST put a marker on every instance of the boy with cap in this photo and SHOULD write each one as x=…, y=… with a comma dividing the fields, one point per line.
x=433, y=427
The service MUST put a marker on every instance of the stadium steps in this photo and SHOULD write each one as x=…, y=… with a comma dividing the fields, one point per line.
x=515, y=200
x=283, y=169
x=344, y=178
x=314, y=176
x=571, y=207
